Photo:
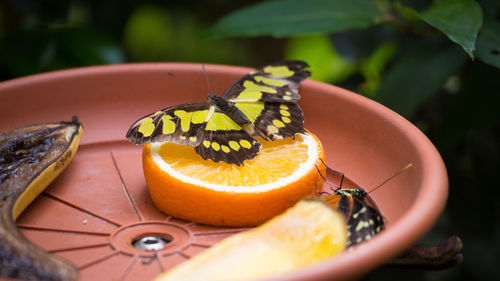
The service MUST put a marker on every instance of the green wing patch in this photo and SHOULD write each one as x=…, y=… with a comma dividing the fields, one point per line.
x=221, y=122
x=183, y=124
x=252, y=110
x=277, y=82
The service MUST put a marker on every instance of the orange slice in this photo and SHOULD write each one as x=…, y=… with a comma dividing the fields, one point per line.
x=308, y=232
x=184, y=185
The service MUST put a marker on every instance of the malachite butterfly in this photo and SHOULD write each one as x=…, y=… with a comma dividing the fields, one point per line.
x=263, y=103
x=362, y=217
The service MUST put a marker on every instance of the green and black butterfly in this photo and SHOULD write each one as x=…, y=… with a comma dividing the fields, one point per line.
x=361, y=214
x=262, y=104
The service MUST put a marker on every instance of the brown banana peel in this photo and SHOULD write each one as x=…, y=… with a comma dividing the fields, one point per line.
x=31, y=158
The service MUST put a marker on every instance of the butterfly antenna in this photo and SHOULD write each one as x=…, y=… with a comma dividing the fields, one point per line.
x=391, y=177
x=206, y=77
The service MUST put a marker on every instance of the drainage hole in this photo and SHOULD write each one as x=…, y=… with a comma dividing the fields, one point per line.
x=152, y=242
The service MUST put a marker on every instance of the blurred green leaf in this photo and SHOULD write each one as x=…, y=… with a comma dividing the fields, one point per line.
x=460, y=20
x=408, y=13
x=79, y=14
x=373, y=67
x=491, y=8
x=148, y=33
x=222, y=51
x=153, y=33
x=83, y=46
x=416, y=77
x=488, y=43
x=188, y=46
x=474, y=108
x=383, y=5
x=317, y=50
x=356, y=45
x=49, y=11
x=1, y=21
x=295, y=17
x=28, y=52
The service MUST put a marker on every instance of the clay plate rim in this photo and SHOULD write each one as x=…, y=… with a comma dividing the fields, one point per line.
x=405, y=231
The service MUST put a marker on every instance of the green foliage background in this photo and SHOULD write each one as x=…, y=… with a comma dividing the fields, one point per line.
x=437, y=63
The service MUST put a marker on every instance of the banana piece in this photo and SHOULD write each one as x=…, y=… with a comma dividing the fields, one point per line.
x=30, y=159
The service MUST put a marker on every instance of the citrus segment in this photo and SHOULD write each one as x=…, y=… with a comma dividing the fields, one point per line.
x=184, y=185
x=307, y=233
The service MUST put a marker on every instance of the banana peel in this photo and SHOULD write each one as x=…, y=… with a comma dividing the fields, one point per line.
x=308, y=232
x=31, y=158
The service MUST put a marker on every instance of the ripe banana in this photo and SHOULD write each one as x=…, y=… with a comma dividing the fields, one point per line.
x=30, y=159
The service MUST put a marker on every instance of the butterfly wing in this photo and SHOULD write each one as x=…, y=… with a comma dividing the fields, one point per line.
x=224, y=140
x=268, y=96
x=363, y=221
x=182, y=124
x=277, y=82
x=214, y=135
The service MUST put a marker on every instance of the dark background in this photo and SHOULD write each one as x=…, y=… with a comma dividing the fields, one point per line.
x=402, y=62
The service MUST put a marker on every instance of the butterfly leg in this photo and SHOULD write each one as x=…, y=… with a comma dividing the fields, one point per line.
x=325, y=180
x=328, y=169
x=333, y=186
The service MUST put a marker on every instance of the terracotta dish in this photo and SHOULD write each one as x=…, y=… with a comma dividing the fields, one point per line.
x=99, y=205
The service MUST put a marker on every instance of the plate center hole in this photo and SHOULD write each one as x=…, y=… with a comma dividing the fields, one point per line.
x=152, y=242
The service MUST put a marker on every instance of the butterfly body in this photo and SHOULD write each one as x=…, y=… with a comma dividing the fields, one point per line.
x=229, y=109
x=262, y=104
